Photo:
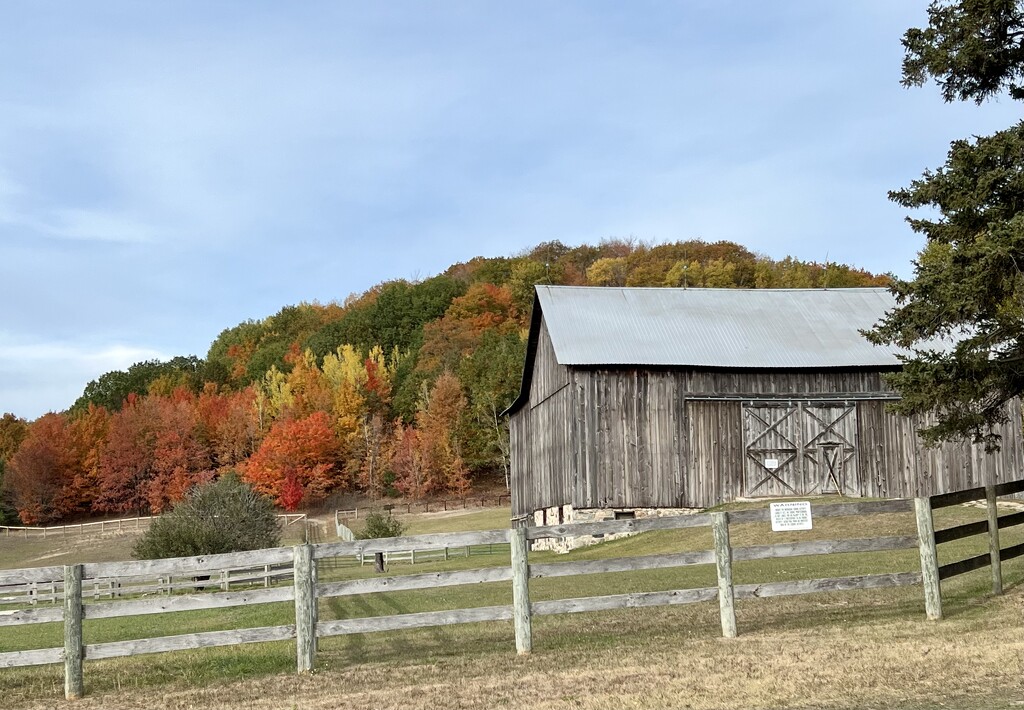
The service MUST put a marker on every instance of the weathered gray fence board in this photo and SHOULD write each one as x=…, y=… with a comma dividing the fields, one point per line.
x=188, y=565
x=834, y=584
x=18, y=617
x=207, y=639
x=370, y=624
x=435, y=541
x=187, y=602
x=36, y=657
x=306, y=608
x=621, y=564
x=930, y=579
x=963, y=566
x=74, y=650
x=959, y=532
x=414, y=581
x=996, y=564
x=612, y=527
x=624, y=601
x=822, y=547
x=31, y=574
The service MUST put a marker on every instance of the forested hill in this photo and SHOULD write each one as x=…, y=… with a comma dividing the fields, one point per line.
x=397, y=391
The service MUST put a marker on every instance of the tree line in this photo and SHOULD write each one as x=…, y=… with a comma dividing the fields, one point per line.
x=396, y=391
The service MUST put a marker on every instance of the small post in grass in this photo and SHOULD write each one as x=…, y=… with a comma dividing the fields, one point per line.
x=74, y=685
x=304, y=568
x=993, y=538
x=521, y=591
x=929, y=558
x=723, y=562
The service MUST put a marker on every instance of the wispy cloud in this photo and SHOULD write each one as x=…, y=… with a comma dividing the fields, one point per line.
x=39, y=375
x=83, y=225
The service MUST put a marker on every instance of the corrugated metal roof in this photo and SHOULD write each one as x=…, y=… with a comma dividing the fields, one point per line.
x=742, y=328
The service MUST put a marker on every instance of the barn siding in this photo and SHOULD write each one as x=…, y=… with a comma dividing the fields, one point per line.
x=630, y=437
x=548, y=375
x=540, y=435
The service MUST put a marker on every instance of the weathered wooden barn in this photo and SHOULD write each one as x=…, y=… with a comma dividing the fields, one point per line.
x=648, y=398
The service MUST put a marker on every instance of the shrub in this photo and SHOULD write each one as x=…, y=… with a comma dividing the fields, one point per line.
x=380, y=523
x=223, y=516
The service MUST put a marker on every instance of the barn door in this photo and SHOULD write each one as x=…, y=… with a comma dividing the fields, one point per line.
x=772, y=463
x=800, y=449
x=830, y=448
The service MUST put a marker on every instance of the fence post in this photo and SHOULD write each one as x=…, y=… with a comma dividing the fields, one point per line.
x=305, y=607
x=521, y=591
x=74, y=686
x=723, y=562
x=993, y=539
x=929, y=558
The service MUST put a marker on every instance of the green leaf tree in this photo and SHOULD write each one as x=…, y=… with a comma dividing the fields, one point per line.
x=223, y=516
x=968, y=287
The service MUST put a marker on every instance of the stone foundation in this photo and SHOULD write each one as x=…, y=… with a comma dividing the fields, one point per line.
x=565, y=514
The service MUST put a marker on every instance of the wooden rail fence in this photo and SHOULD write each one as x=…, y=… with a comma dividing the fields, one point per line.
x=427, y=506
x=103, y=526
x=930, y=539
x=72, y=582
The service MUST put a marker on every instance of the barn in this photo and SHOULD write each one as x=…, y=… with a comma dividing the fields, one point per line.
x=639, y=401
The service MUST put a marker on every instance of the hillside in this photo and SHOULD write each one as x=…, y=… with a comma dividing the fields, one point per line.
x=397, y=390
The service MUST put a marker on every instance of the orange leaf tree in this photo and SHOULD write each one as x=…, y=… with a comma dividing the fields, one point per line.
x=302, y=450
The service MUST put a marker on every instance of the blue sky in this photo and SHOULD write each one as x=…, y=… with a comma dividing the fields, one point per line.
x=168, y=170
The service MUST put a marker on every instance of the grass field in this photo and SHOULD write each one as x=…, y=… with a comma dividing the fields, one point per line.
x=854, y=649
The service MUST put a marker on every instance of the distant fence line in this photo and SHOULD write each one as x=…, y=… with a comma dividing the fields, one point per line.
x=306, y=589
x=425, y=506
x=102, y=526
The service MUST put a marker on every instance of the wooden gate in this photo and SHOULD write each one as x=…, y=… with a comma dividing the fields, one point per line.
x=799, y=449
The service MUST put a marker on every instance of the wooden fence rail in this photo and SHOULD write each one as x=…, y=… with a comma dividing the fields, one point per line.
x=103, y=526
x=426, y=506
x=305, y=590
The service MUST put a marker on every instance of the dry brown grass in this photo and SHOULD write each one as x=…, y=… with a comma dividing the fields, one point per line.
x=828, y=651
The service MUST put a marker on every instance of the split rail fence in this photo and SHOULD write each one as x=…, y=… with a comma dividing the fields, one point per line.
x=104, y=526
x=72, y=582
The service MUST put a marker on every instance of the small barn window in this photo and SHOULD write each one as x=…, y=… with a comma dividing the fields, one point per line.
x=625, y=515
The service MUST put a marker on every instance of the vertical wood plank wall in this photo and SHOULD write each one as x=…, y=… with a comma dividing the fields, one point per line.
x=639, y=438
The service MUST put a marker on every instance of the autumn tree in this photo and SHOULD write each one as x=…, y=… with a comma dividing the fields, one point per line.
x=428, y=459
x=968, y=287
x=608, y=271
x=152, y=456
x=299, y=452
x=13, y=431
x=88, y=432
x=40, y=474
x=228, y=425
x=485, y=308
